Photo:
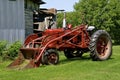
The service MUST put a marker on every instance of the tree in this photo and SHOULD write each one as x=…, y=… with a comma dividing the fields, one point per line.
x=70, y=18
x=104, y=14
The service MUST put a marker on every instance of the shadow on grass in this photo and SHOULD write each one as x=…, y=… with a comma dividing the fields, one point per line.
x=83, y=58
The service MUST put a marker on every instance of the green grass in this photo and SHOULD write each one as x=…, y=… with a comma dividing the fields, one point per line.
x=74, y=69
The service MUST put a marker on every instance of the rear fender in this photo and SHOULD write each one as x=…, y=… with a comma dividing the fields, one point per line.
x=91, y=30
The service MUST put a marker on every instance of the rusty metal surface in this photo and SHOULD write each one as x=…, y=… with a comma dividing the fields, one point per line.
x=17, y=61
x=24, y=60
x=52, y=38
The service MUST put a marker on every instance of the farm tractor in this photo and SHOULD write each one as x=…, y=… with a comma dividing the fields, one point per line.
x=43, y=47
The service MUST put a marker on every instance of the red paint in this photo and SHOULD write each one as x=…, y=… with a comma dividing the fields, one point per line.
x=59, y=39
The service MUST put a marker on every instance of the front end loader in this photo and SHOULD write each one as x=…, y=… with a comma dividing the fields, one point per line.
x=42, y=47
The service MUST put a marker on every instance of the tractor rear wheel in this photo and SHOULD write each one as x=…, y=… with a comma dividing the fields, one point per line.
x=100, y=46
x=51, y=56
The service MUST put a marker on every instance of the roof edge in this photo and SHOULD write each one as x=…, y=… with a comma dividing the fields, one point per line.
x=39, y=1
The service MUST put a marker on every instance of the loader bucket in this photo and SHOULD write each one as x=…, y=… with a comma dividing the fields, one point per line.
x=25, y=59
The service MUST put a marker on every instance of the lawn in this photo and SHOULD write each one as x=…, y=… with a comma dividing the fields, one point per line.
x=74, y=69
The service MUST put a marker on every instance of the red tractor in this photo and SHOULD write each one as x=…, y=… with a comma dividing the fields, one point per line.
x=43, y=47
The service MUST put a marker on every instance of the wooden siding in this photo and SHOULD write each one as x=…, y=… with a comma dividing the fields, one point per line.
x=12, y=23
x=29, y=4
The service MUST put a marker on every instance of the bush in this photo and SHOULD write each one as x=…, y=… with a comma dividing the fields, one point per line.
x=14, y=49
x=3, y=45
x=11, y=51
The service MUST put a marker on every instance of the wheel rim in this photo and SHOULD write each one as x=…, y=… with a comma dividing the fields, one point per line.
x=52, y=58
x=103, y=46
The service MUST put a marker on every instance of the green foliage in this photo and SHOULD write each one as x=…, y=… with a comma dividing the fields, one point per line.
x=3, y=45
x=71, y=18
x=14, y=49
x=9, y=51
x=104, y=14
x=59, y=20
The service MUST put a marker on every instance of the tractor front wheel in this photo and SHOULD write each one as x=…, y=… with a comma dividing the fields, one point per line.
x=100, y=46
x=51, y=56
